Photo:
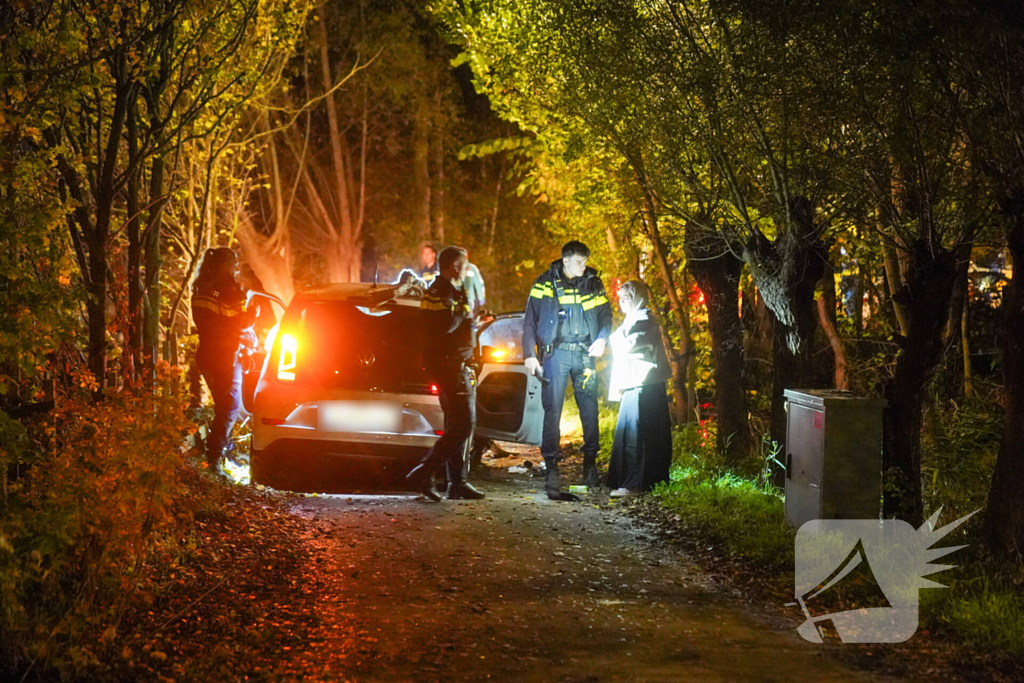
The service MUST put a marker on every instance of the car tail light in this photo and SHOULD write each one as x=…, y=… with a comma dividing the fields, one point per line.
x=439, y=432
x=273, y=422
x=434, y=390
x=286, y=361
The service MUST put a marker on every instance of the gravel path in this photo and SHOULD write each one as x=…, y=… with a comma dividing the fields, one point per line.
x=517, y=588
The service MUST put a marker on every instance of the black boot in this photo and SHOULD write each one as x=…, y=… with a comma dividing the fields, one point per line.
x=422, y=479
x=551, y=482
x=459, y=488
x=590, y=477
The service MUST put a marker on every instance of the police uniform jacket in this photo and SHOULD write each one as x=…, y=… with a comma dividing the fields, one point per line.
x=540, y=323
x=218, y=309
x=450, y=325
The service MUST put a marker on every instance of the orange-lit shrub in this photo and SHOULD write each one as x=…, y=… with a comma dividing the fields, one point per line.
x=90, y=491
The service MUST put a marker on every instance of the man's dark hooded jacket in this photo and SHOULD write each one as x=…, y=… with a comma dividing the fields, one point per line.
x=540, y=323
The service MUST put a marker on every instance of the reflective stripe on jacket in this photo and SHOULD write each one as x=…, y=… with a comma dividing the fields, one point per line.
x=450, y=333
x=221, y=318
x=540, y=322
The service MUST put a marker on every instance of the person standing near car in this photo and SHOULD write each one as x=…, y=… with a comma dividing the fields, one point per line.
x=428, y=269
x=225, y=328
x=642, y=450
x=565, y=327
x=449, y=339
x=476, y=293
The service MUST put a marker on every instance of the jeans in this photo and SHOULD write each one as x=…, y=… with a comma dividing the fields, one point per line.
x=558, y=368
x=224, y=378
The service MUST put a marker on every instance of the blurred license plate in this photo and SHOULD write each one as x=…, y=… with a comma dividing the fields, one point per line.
x=372, y=416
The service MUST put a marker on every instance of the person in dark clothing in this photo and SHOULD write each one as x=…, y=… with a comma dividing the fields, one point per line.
x=429, y=268
x=565, y=327
x=225, y=327
x=448, y=354
x=642, y=450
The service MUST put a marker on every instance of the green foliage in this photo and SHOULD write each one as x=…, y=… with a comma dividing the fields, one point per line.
x=743, y=515
x=960, y=446
x=989, y=617
x=96, y=492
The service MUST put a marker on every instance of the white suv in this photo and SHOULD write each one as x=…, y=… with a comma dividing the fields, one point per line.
x=344, y=403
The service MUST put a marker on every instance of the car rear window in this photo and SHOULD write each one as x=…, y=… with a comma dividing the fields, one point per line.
x=346, y=346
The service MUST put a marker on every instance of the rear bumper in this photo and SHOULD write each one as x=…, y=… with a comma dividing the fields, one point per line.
x=334, y=466
x=291, y=414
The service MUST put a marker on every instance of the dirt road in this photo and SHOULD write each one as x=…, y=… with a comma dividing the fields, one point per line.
x=517, y=588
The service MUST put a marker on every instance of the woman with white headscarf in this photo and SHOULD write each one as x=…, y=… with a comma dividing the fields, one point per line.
x=642, y=450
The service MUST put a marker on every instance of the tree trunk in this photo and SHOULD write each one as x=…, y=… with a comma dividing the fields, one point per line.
x=952, y=370
x=678, y=360
x=493, y=228
x=133, y=352
x=717, y=272
x=421, y=172
x=1004, y=515
x=96, y=307
x=437, y=186
x=835, y=342
x=786, y=272
x=894, y=278
x=154, y=262
x=924, y=298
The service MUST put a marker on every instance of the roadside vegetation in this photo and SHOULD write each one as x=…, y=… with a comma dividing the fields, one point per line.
x=741, y=513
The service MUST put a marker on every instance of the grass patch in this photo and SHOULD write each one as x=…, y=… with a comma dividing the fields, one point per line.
x=745, y=519
x=989, y=618
x=738, y=510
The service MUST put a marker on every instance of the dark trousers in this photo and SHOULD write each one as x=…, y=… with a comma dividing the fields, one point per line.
x=559, y=367
x=642, y=450
x=457, y=393
x=224, y=378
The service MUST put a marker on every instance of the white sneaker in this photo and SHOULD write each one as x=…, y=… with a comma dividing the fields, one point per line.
x=621, y=493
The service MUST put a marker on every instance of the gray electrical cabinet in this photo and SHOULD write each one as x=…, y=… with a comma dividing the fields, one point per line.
x=833, y=455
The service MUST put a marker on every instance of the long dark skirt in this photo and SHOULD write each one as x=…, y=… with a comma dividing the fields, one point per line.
x=642, y=450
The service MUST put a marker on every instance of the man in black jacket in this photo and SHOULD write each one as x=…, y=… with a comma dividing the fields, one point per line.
x=449, y=338
x=566, y=326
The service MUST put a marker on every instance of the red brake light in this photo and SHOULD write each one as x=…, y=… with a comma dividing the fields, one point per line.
x=287, y=358
x=434, y=390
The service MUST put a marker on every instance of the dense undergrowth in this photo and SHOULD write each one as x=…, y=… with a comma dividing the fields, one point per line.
x=743, y=514
x=92, y=491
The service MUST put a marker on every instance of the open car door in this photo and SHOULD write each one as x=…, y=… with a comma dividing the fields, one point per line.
x=508, y=402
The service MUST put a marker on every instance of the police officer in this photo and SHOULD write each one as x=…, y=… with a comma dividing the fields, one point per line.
x=225, y=327
x=566, y=326
x=448, y=353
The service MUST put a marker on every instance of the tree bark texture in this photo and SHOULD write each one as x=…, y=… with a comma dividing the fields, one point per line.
x=786, y=272
x=100, y=239
x=133, y=352
x=835, y=342
x=717, y=271
x=677, y=359
x=925, y=298
x=154, y=262
x=1004, y=515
